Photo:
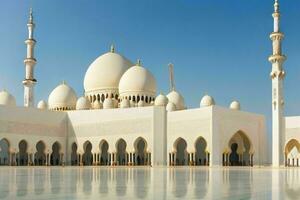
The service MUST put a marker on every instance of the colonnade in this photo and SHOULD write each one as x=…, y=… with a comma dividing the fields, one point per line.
x=130, y=159
x=226, y=161
x=191, y=159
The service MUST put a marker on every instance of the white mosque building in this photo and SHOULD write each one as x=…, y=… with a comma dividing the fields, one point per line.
x=121, y=120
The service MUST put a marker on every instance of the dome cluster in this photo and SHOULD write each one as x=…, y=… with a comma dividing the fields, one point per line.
x=207, y=101
x=112, y=81
x=173, y=101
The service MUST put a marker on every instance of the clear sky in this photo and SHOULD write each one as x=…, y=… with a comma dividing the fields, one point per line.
x=218, y=47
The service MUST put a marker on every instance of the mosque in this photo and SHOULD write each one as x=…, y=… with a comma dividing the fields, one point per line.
x=121, y=120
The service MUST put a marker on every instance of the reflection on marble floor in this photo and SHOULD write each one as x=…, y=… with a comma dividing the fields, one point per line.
x=148, y=183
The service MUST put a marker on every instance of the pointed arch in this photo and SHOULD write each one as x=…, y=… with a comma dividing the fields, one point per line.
x=40, y=155
x=201, y=156
x=87, y=156
x=181, y=155
x=55, y=157
x=22, y=155
x=241, y=150
x=4, y=152
x=74, y=154
x=292, y=153
x=121, y=156
x=140, y=154
x=104, y=155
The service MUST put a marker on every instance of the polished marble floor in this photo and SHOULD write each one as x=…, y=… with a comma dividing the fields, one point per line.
x=148, y=183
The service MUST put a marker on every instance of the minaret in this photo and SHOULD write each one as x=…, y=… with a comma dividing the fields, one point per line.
x=29, y=81
x=277, y=76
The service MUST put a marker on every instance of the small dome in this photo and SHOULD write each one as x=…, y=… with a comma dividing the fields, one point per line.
x=207, y=101
x=83, y=104
x=176, y=99
x=170, y=107
x=161, y=100
x=6, y=99
x=42, y=105
x=108, y=103
x=125, y=103
x=97, y=105
x=137, y=81
x=63, y=97
x=105, y=72
x=141, y=103
x=235, y=105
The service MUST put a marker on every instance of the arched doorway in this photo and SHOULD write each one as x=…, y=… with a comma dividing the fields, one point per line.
x=40, y=156
x=292, y=153
x=55, y=158
x=200, y=154
x=121, y=152
x=74, y=155
x=240, y=150
x=4, y=152
x=22, y=157
x=140, y=155
x=104, y=155
x=181, y=157
x=87, y=157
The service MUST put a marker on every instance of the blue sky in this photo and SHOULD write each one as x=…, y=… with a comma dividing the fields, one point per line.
x=218, y=47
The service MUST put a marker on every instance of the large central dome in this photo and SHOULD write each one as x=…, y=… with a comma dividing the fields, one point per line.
x=103, y=75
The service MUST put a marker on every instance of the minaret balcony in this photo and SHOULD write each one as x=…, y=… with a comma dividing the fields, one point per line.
x=276, y=36
x=30, y=61
x=29, y=82
x=277, y=58
x=30, y=41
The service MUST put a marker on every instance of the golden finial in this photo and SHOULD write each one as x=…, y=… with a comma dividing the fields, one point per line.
x=112, y=48
x=276, y=6
x=30, y=16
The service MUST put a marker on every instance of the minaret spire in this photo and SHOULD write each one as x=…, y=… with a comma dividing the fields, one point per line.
x=171, y=77
x=277, y=75
x=29, y=81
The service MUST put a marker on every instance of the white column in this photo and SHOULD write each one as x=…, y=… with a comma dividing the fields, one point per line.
x=277, y=76
x=29, y=81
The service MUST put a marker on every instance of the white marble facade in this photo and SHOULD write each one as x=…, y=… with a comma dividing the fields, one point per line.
x=120, y=120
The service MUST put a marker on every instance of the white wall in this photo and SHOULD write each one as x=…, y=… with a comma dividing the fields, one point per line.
x=32, y=125
x=227, y=122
